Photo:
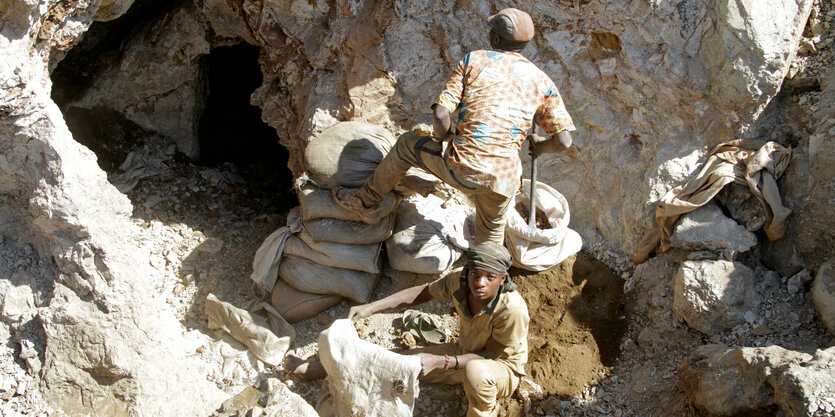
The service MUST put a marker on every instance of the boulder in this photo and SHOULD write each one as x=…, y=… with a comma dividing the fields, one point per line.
x=823, y=294
x=708, y=228
x=756, y=381
x=713, y=296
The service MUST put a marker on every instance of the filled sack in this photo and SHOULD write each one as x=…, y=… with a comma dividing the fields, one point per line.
x=429, y=235
x=343, y=231
x=536, y=249
x=346, y=153
x=311, y=277
x=295, y=305
x=365, y=258
x=317, y=203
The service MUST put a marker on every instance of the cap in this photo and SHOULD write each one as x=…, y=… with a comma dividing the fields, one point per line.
x=512, y=24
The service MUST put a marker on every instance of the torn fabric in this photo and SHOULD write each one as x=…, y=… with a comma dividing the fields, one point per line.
x=743, y=161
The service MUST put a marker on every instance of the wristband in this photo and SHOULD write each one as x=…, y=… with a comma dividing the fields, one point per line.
x=446, y=362
x=456, y=361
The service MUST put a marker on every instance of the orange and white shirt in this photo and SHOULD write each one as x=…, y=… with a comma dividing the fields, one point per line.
x=499, y=95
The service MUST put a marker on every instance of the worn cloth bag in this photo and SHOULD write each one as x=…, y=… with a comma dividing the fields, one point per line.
x=308, y=276
x=346, y=154
x=297, y=305
x=429, y=235
x=538, y=249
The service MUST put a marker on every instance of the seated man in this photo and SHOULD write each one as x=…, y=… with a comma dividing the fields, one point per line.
x=490, y=356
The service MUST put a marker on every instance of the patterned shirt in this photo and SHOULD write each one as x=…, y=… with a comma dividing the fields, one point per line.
x=499, y=95
x=505, y=319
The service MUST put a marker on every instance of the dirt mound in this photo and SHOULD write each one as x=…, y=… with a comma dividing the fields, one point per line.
x=577, y=321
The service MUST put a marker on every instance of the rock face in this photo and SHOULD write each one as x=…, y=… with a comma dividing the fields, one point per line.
x=650, y=85
x=732, y=381
x=647, y=94
x=713, y=296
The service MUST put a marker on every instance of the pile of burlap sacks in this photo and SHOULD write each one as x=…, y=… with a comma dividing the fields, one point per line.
x=325, y=253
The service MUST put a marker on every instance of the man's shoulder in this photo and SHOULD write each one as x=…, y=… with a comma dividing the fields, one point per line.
x=514, y=303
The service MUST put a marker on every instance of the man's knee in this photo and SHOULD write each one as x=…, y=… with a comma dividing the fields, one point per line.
x=480, y=379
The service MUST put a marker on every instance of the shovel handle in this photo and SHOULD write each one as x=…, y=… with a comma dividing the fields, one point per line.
x=532, y=216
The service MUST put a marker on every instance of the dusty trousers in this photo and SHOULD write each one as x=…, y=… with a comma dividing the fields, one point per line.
x=413, y=150
x=484, y=380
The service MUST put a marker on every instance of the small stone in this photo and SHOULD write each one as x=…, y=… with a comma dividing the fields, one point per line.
x=408, y=340
x=792, y=289
x=762, y=330
x=551, y=405
x=323, y=319
x=211, y=245
x=750, y=317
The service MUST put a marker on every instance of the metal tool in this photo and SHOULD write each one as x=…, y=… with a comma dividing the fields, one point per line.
x=532, y=216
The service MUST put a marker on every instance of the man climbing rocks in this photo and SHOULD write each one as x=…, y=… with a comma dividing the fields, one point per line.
x=498, y=94
x=492, y=349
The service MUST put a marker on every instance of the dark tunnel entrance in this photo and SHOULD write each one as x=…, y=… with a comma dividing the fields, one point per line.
x=229, y=133
x=230, y=129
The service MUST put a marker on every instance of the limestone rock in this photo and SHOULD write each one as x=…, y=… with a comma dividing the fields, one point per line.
x=731, y=381
x=713, y=296
x=366, y=379
x=823, y=295
x=708, y=228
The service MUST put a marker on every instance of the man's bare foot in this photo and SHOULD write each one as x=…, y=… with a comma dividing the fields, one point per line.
x=307, y=370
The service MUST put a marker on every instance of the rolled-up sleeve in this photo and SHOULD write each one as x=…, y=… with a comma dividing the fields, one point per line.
x=454, y=89
x=552, y=115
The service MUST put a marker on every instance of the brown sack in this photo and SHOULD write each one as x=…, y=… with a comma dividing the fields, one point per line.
x=295, y=305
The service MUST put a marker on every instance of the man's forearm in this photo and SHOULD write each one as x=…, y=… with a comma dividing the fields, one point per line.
x=557, y=143
x=408, y=296
x=441, y=121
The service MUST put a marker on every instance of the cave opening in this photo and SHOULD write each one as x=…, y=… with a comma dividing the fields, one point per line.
x=230, y=129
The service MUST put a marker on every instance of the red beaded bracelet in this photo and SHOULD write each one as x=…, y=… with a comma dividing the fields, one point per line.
x=446, y=362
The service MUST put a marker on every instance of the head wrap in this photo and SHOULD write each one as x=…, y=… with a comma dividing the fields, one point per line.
x=490, y=257
x=512, y=25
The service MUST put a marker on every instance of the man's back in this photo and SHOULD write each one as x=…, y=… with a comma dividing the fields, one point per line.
x=498, y=94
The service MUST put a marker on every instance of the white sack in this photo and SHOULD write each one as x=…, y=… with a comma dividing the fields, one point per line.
x=537, y=249
x=430, y=234
x=343, y=231
x=346, y=154
x=365, y=379
x=310, y=277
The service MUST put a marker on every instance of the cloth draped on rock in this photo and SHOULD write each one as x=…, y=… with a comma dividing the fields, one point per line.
x=745, y=161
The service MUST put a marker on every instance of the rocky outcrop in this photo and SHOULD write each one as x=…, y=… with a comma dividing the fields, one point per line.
x=823, y=295
x=646, y=91
x=714, y=296
x=111, y=346
x=732, y=381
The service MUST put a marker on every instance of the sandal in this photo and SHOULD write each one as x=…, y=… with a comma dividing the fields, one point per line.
x=423, y=327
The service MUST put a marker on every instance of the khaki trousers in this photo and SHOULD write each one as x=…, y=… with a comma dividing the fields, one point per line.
x=413, y=150
x=484, y=380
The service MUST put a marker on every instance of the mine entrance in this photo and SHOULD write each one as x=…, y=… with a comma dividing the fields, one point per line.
x=231, y=129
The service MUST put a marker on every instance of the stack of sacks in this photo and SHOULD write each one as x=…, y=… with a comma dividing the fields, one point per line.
x=326, y=253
